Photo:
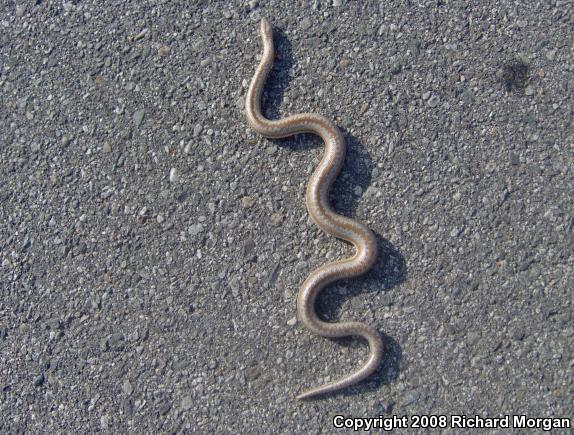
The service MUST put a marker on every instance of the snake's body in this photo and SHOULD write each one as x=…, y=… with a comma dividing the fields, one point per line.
x=317, y=200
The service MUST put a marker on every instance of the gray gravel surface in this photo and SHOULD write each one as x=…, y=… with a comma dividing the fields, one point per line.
x=152, y=244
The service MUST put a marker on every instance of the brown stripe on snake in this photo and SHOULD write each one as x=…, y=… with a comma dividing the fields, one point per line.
x=317, y=200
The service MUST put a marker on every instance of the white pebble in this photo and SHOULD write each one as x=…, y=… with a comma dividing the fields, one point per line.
x=173, y=177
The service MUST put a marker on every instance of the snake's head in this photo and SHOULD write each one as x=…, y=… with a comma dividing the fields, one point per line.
x=266, y=29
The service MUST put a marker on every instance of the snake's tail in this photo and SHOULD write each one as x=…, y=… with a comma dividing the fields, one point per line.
x=374, y=361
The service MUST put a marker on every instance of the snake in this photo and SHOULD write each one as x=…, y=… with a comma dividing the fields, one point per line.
x=323, y=215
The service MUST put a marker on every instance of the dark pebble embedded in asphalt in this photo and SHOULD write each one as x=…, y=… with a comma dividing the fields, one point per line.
x=39, y=380
x=116, y=342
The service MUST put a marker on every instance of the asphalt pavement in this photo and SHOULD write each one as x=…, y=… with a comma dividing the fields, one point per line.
x=152, y=244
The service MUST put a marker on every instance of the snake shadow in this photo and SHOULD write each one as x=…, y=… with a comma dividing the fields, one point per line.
x=390, y=269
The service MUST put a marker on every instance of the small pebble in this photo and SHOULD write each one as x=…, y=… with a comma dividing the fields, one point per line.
x=396, y=68
x=276, y=219
x=186, y=403
x=551, y=55
x=433, y=101
x=163, y=50
x=127, y=387
x=116, y=342
x=344, y=63
x=173, y=175
x=138, y=117
x=247, y=201
x=195, y=229
x=141, y=34
x=39, y=380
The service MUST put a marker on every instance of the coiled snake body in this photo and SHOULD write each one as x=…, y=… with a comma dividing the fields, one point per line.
x=317, y=200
